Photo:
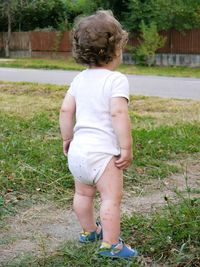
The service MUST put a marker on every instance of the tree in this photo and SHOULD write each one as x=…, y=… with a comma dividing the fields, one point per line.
x=31, y=14
x=186, y=14
x=26, y=15
x=117, y=6
x=8, y=8
x=179, y=14
x=39, y=14
x=87, y=7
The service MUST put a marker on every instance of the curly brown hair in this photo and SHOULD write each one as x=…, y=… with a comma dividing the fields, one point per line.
x=96, y=39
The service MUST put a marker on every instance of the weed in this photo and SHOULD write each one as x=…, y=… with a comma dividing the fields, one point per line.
x=170, y=236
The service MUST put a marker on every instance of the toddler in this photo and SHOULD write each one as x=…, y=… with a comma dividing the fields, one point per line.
x=99, y=145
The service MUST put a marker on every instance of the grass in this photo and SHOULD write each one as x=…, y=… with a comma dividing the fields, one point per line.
x=73, y=255
x=69, y=64
x=170, y=236
x=32, y=163
x=30, y=132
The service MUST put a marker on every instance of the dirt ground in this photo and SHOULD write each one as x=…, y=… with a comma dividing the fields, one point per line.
x=42, y=228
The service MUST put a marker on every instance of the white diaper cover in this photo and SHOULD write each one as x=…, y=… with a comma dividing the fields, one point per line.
x=86, y=166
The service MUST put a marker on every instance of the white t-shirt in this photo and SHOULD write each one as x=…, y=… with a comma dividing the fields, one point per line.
x=93, y=90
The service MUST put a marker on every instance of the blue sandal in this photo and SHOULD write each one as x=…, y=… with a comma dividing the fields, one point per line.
x=120, y=250
x=86, y=237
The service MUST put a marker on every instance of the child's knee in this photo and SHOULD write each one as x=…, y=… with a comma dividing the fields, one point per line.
x=84, y=194
x=84, y=190
x=117, y=197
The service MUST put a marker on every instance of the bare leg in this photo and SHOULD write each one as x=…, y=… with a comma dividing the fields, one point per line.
x=110, y=186
x=83, y=205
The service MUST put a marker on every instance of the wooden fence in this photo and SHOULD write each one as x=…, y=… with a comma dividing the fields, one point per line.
x=38, y=44
x=58, y=44
x=185, y=42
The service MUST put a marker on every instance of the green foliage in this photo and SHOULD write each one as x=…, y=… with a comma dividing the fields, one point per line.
x=60, y=14
x=8, y=11
x=181, y=14
x=117, y=6
x=31, y=14
x=43, y=14
x=150, y=41
x=186, y=14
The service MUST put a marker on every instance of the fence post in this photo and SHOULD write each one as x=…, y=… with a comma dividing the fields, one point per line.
x=30, y=45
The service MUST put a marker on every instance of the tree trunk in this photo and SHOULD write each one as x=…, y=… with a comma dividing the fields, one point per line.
x=8, y=37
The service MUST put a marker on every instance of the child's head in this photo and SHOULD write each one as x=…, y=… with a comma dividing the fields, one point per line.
x=97, y=39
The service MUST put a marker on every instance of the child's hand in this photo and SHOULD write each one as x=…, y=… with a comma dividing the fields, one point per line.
x=125, y=159
x=66, y=144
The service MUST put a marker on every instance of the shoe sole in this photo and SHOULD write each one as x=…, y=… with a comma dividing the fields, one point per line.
x=119, y=257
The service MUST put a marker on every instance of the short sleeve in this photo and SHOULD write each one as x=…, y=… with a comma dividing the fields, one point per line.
x=120, y=86
x=71, y=89
x=73, y=86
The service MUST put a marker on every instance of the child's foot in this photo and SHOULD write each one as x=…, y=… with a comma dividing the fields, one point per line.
x=120, y=250
x=86, y=237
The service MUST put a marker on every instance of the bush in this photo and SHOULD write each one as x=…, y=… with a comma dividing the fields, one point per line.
x=150, y=41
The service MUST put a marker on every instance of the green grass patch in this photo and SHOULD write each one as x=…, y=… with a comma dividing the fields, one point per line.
x=170, y=236
x=70, y=64
x=165, y=142
x=32, y=163
x=31, y=147
x=67, y=64
x=32, y=154
x=72, y=254
x=161, y=71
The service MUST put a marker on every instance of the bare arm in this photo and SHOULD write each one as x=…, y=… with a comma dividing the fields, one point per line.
x=66, y=119
x=122, y=127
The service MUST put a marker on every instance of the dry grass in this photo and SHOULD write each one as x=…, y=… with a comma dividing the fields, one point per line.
x=24, y=99
x=158, y=111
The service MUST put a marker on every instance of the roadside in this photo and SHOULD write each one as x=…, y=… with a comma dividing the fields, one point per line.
x=166, y=87
x=69, y=64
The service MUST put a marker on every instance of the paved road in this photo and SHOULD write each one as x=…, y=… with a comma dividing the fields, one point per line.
x=168, y=87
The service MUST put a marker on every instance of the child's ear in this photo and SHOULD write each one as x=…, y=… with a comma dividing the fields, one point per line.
x=118, y=52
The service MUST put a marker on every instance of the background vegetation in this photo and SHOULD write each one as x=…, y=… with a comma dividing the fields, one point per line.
x=145, y=16
x=26, y=15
